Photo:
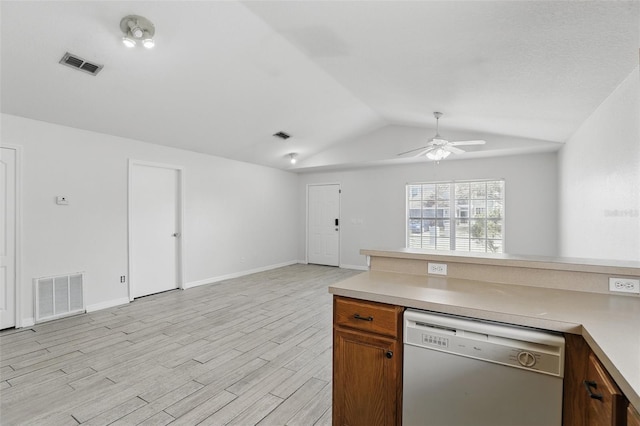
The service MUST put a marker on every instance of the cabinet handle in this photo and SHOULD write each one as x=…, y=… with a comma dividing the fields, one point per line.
x=389, y=354
x=357, y=316
x=588, y=384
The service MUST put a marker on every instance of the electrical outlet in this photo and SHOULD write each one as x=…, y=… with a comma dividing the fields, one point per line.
x=123, y=278
x=624, y=285
x=437, y=268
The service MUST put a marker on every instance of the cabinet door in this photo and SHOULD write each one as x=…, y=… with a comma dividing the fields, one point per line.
x=633, y=418
x=606, y=405
x=576, y=364
x=367, y=370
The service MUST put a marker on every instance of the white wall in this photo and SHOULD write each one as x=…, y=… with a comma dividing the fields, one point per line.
x=599, y=176
x=373, y=206
x=238, y=216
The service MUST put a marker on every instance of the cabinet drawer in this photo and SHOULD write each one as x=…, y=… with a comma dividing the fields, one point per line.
x=368, y=316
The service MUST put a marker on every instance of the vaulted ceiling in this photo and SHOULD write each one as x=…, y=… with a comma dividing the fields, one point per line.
x=353, y=82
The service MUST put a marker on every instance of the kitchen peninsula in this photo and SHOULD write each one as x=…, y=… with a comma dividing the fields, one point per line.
x=570, y=296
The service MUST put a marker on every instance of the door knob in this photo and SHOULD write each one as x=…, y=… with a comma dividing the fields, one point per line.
x=176, y=234
x=389, y=354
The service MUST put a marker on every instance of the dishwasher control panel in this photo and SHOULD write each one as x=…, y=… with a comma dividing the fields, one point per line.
x=517, y=347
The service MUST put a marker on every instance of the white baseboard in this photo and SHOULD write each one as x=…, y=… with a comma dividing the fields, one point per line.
x=27, y=322
x=107, y=304
x=213, y=280
x=356, y=267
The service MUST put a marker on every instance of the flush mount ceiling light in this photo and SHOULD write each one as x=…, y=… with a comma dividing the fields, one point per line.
x=293, y=158
x=137, y=28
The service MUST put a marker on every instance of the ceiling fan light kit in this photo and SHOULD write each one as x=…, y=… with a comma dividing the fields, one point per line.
x=438, y=154
x=439, y=148
x=137, y=28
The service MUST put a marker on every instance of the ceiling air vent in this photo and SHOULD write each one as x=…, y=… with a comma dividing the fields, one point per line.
x=78, y=63
x=282, y=135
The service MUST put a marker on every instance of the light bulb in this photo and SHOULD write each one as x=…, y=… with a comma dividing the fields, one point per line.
x=135, y=29
x=148, y=43
x=438, y=154
x=129, y=42
x=293, y=160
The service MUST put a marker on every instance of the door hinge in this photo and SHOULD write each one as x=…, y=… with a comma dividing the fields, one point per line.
x=339, y=191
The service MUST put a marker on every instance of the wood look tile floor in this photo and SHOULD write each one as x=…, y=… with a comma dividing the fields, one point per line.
x=246, y=351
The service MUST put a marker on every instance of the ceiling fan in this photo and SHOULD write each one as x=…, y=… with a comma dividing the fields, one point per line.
x=438, y=148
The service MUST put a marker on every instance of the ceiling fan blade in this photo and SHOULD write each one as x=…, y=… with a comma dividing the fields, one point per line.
x=453, y=149
x=476, y=142
x=425, y=152
x=414, y=150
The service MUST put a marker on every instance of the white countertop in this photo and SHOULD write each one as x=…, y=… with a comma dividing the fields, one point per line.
x=609, y=323
x=626, y=267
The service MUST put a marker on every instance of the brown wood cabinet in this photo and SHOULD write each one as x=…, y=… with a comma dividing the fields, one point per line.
x=574, y=401
x=633, y=418
x=607, y=405
x=367, y=372
x=367, y=363
x=591, y=397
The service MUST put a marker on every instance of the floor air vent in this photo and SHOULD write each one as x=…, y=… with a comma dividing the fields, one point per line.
x=59, y=296
x=78, y=63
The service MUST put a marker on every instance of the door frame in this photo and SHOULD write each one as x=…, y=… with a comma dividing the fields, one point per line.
x=306, y=246
x=18, y=239
x=180, y=199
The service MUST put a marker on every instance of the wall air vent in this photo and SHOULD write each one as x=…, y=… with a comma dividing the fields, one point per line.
x=59, y=296
x=282, y=135
x=78, y=63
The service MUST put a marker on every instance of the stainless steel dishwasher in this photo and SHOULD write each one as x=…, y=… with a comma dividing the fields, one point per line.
x=459, y=371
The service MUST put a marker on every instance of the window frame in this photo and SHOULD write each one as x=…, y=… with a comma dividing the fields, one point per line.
x=454, y=214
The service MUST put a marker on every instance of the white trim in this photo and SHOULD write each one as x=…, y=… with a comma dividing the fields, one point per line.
x=28, y=322
x=306, y=226
x=356, y=267
x=19, y=322
x=306, y=246
x=107, y=304
x=181, y=200
x=213, y=280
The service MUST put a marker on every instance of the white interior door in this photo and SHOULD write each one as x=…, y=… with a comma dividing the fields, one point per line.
x=324, y=226
x=8, y=238
x=155, y=223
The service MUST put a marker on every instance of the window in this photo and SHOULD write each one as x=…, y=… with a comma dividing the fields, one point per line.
x=462, y=216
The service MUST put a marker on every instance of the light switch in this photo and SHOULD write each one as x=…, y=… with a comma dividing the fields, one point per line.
x=62, y=200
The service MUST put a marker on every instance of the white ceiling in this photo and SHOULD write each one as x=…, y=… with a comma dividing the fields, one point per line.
x=354, y=82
